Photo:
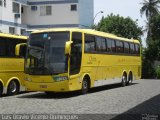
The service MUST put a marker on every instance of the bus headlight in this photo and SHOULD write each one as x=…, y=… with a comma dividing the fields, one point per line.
x=28, y=79
x=60, y=78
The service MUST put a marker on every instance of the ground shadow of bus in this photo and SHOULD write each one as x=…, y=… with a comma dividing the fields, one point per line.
x=41, y=95
x=148, y=110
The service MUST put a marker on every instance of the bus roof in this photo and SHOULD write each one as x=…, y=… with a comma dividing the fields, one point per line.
x=88, y=31
x=13, y=36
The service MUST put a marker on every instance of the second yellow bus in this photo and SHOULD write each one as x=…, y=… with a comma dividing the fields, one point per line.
x=11, y=66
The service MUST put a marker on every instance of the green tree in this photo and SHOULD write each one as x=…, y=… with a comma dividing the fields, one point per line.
x=150, y=9
x=120, y=26
x=155, y=35
x=152, y=52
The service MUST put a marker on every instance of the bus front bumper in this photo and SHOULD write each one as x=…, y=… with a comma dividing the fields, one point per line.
x=62, y=86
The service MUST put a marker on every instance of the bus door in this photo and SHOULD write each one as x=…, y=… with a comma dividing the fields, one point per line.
x=76, y=53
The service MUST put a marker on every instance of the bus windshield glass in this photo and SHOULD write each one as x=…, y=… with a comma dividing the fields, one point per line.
x=46, y=53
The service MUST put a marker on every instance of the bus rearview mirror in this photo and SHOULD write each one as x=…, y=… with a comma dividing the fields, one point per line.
x=68, y=47
x=20, y=49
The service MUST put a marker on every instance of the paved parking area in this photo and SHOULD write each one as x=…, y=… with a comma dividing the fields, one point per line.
x=140, y=98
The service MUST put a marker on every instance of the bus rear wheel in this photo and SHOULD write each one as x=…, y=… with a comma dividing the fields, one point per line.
x=1, y=89
x=130, y=79
x=124, y=80
x=13, y=87
x=85, y=86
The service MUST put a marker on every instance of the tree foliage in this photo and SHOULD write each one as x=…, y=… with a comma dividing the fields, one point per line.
x=151, y=9
x=154, y=44
x=152, y=52
x=120, y=26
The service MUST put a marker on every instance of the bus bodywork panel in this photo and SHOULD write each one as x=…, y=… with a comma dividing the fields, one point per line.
x=12, y=69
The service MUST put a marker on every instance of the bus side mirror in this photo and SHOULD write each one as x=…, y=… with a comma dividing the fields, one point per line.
x=20, y=50
x=68, y=47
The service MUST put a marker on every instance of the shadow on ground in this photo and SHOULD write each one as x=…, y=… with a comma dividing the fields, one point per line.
x=148, y=110
x=69, y=94
x=23, y=92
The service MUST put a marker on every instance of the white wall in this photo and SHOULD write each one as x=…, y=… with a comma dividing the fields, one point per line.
x=61, y=14
x=6, y=14
x=5, y=29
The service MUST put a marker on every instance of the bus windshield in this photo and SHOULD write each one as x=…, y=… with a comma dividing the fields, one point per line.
x=46, y=53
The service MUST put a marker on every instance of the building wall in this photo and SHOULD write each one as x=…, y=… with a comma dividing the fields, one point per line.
x=62, y=16
x=86, y=13
x=7, y=18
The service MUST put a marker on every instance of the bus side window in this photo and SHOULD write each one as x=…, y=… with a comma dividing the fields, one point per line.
x=113, y=46
x=119, y=47
x=137, y=49
x=126, y=47
x=11, y=50
x=90, y=45
x=100, y=44
x=3, y=47
x=132, y=49
x=103, y=43
x=109, y=45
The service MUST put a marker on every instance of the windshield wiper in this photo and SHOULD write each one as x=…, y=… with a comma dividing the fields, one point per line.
x=35, y=47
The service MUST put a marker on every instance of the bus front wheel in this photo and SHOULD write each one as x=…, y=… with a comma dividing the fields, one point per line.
x=85, y=86
x=1, y=89
x=13, y=87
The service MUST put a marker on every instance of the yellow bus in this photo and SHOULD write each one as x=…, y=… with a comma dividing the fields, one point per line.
x=70, y=59
x=11, y=66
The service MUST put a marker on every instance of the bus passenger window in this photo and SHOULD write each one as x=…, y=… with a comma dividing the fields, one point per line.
x=3, y=47
x=119, y=47
x=100, y=44
x=132, y=49
x=113, y=46
x=109, y=45
x=89, y=43
x=126, y=47
x=103, y=42
x=137, y=49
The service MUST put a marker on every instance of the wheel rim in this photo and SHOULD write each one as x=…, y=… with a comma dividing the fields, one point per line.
x=85, y=85
x=130, y=79
x=13, y=86
x=124, y=80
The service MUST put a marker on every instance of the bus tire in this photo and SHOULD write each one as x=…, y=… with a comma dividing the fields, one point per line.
x=130, y=79
x=1, y=89
x=85, y=86
x=124, y=80
x=13, y=87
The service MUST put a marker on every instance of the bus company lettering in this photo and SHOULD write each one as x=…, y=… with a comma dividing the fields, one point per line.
x=91, y=60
